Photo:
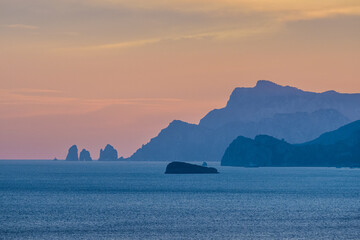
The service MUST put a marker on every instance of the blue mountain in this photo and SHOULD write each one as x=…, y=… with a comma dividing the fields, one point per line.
x=339, y=148
x=283, y=112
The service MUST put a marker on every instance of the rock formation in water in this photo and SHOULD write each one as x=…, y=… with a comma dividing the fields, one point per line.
x=85, y=155
x=267, y=109
x=340, y=148
x=186, y=168
x=108, y=154
x=72, y=154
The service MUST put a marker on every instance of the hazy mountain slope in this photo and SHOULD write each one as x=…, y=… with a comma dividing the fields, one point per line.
x=295, y=127
x=182, y=141
x=348, y=134
x=179, y=141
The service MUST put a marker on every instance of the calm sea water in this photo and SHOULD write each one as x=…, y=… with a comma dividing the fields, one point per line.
x=123, y=200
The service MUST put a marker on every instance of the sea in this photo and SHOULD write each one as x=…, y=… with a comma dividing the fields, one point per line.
x=136, y=200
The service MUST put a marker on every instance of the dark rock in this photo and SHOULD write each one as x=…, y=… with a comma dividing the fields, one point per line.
x=184, y=168
x=108, y=154
x=72, y=154
x=85, y=155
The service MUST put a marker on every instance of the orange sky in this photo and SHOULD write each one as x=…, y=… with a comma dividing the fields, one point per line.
x=92, y=72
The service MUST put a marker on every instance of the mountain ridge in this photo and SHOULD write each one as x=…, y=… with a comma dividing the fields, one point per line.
x=284, y=112
x=268, y=97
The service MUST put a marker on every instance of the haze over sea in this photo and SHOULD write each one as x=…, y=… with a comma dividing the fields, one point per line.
x=136, y=200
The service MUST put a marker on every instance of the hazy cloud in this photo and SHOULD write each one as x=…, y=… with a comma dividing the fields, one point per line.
x=235, y=33
x=117, y=24
x=33, y=102
x=22, y=26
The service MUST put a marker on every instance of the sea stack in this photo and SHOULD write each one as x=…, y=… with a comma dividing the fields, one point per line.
x=108, y=154
x=85, y=155
x=187, y=168
x=72, y=154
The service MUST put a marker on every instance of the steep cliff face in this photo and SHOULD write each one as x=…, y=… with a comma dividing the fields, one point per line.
x=72, y=154
x=85, y=155
x=108, y=154
x=267, y=98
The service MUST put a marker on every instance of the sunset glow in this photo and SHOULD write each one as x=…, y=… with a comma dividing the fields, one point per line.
x=92, y=72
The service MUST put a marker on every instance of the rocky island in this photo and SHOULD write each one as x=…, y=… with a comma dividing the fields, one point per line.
x=72, y=154
x=85, y=155
x=187, y=168
x=108, y=154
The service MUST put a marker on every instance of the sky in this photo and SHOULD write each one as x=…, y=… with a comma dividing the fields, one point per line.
x=93, y=72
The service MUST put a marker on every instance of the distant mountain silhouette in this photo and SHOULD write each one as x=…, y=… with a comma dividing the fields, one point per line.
x=179, y=141
x=281, y=111
x=108, y=154
x=72, y=154
x=340, y=148
x=268, y=98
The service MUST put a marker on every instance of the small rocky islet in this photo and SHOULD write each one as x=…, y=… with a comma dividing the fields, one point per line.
x=188, y=168
x=109, y=153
